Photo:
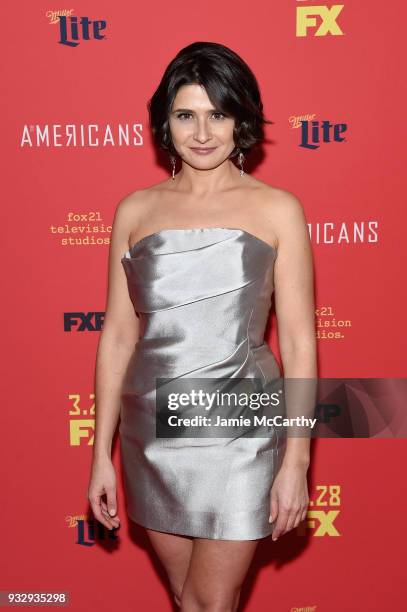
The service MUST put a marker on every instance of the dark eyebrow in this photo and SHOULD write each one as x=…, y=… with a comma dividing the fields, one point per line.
x=188, y=110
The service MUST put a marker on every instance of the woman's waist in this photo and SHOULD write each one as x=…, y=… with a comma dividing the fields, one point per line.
x=149, y=362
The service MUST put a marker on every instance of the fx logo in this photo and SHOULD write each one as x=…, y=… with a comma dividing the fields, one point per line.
x=306, y=18
x=81, y=429
x=312, y=132
x=83, y=322
x=321, y=521
x=70, y=28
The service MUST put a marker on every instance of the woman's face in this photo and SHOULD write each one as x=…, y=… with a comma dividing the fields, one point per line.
x=202, y=136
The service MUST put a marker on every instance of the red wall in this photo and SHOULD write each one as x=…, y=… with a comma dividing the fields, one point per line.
x=347, y=71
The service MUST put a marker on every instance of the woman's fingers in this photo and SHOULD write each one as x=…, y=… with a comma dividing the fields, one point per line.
x=111, y=501
x=98, y=512
x=115, y=521
x=287, y=517
x=289, y=500
x=292, y=518
x=274, y=516
x=281, y=523
x=103, y=485
x=101, y=511
x=105, y=508
x=273, y=509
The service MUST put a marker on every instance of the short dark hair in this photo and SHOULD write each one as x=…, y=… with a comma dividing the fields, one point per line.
x=230, y=84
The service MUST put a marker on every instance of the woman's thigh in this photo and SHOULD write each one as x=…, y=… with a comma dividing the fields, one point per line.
x=217, y=570
x=174, y=551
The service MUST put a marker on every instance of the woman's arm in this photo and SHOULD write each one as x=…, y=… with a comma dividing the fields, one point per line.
x=116, y=343
x=118, y=337
x=295, y=311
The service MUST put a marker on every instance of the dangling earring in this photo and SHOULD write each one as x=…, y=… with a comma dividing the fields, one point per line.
x=173, y=162
x=241, y=161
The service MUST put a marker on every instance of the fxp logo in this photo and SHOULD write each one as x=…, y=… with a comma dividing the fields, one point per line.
x=83, y=321
x=71, y=30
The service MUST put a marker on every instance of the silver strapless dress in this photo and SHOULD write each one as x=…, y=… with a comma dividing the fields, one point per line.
x=203, y=296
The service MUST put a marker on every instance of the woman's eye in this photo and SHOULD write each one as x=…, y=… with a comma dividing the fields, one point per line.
x=218, y=115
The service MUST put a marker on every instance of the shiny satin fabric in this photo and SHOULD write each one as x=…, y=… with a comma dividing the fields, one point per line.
x=203, y=297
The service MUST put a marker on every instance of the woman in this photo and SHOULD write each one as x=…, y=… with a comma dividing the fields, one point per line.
x=193, y=262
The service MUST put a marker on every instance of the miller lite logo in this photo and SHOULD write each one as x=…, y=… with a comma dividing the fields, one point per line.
x=315, y=132
x=73, y=30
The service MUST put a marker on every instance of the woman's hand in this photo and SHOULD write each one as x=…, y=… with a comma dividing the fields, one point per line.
x=288, y=498
x=103, y=482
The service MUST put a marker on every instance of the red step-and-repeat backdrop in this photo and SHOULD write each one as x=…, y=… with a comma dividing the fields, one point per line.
x=76, y=140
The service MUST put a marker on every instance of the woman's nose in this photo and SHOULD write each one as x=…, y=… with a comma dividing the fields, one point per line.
x=202, y=131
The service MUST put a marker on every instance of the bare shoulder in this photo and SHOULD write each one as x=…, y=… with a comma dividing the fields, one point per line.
x=127, y=215
x=288, y=209
x=132, y=203
x=287, y=215
x=281, y=201
x=139, y=202
x=280, y=212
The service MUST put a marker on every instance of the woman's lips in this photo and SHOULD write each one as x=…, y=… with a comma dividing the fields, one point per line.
x=203, y=150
